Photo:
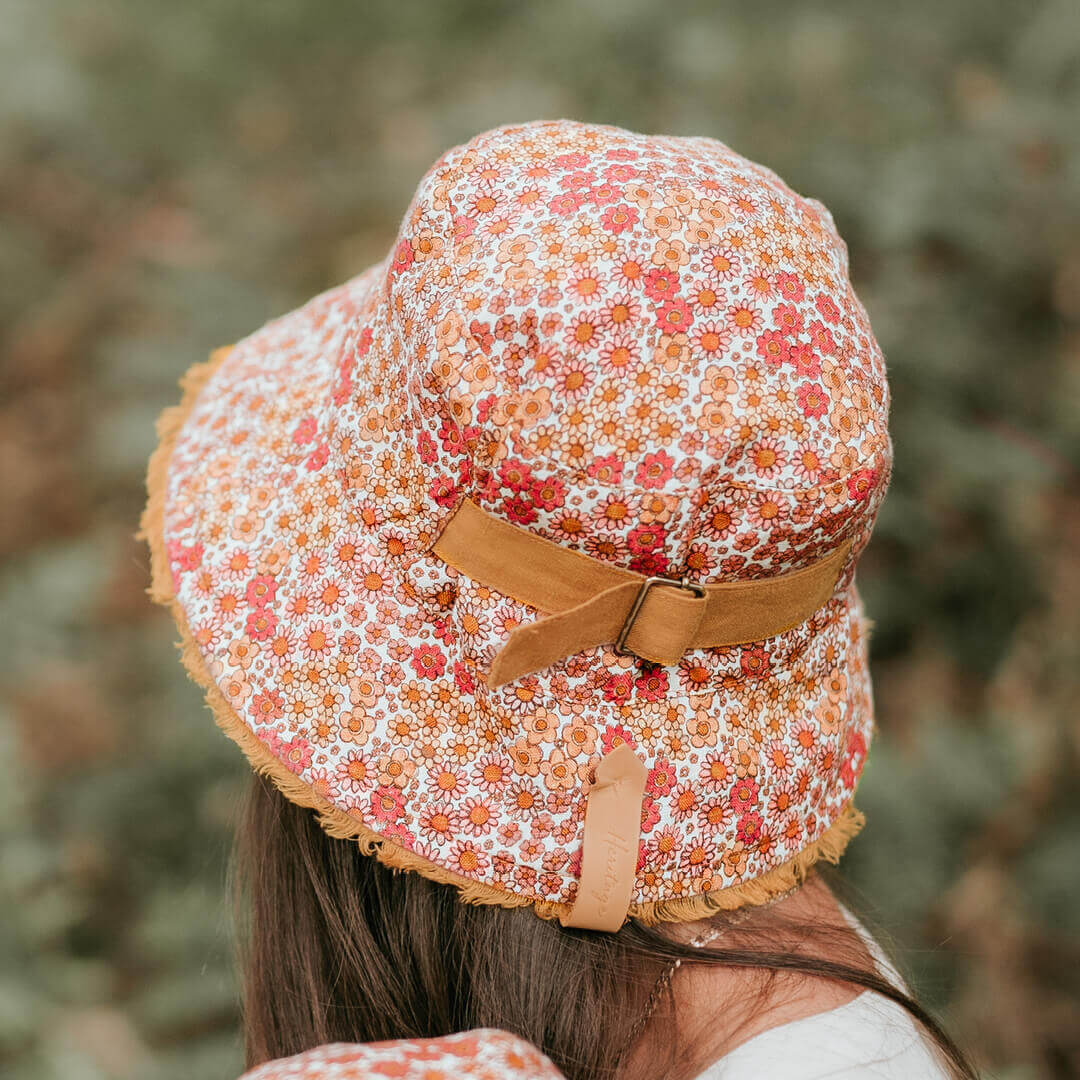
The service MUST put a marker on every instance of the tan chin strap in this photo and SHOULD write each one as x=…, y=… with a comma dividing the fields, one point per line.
x=612, y=835
x=591, y=602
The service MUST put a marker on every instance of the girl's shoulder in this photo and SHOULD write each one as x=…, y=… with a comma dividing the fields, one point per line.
x=869, y=1037
x=866, y=1037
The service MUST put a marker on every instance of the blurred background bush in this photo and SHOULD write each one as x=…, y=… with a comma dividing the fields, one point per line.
x=174, y=174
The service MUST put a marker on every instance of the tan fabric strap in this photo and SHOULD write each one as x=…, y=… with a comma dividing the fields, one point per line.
x=612, y=837
x=591, y=602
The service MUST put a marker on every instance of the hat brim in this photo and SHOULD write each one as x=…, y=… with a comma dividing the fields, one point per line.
x=289, y=367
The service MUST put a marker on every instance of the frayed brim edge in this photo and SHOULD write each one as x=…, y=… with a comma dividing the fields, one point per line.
x=335, y=821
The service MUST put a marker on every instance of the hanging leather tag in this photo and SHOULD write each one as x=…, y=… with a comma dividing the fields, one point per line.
x=612, y=834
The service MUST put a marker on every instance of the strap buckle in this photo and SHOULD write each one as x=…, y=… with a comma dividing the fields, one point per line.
x=646, y=585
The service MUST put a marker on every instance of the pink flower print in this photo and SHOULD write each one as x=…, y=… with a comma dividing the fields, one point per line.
x=426, y=447
x=549, y=494
x=519, y=509
x=650, y=563
x=184, y=558
x=267, y=706
x=617, y=219
x=674, y=316
x=463, y=226
x=260, y=625
x=661, y=779
x=773, y=347
x=661, y=284
x=744, y=795
x=813, y=400
x=616, y=735
x=607, y=470
x=854, y=759
x=620, y=173
x=443, y=490
x=754, y=661
x=602, y=194
x=565, y=204
x=790, y=287
x=644, y=539
x=428, y=661
x=821, y=337
x=618, y=688
x=305, y=431
x=318, y=458
x=261, y=591
x=515, y=475
x=860, y=484
x=571, y=161
x=806, y=361
x=403, y=257
x=578, y=180
x=655, y=469
x=748, y=828
x=650, y=814
x=295, y=755
x=788, y=319
x=463, y=679
x=827, y=307
x=387, y=804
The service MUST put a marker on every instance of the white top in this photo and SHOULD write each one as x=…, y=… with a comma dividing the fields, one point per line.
x=869, y=1038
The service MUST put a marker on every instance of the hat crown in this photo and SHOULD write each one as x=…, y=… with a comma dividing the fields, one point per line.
x=644, y=347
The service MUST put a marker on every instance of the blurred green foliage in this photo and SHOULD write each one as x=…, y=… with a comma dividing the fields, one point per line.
x=172, y=175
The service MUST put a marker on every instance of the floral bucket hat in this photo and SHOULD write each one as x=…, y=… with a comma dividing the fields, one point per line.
x=483, y=1054
x=526, y=557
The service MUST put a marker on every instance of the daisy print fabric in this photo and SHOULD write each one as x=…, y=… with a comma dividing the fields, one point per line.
x=485, y=1054
x=643, y=348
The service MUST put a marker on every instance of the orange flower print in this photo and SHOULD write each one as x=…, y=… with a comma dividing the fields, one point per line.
x=713, y=337
x=467, y=858
x=354, y=772
x=744, y=320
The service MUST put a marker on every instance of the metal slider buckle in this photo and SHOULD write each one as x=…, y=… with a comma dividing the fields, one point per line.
x=647, y=584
